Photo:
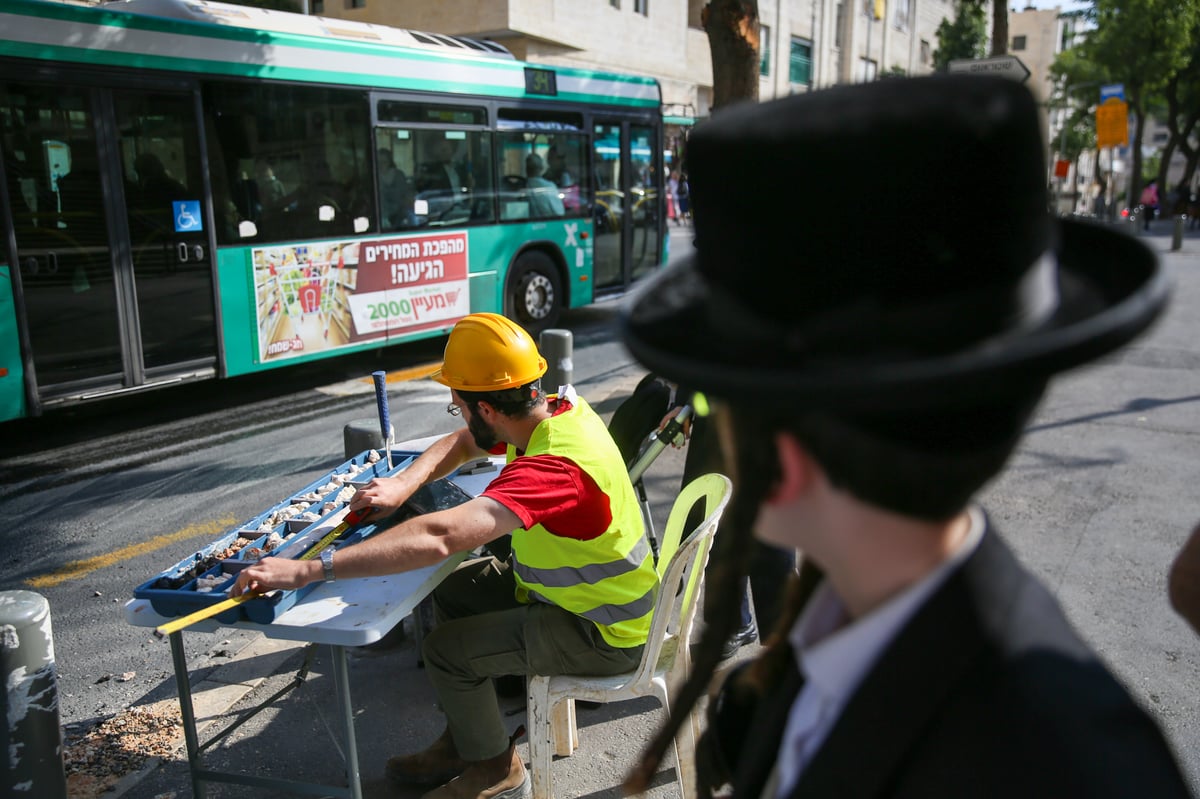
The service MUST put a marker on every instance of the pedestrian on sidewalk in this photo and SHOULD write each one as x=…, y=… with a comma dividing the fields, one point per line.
x=575, y=597
x=1149, y=202
x=869, y=381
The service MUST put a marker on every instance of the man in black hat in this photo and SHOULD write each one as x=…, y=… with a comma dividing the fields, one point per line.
x=871, y=374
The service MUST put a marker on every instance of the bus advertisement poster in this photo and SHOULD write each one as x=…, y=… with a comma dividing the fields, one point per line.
x=315, y=298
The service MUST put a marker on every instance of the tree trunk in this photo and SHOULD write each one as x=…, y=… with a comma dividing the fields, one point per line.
x=732, y=27
x=1165, y=192
x=999, y=27
x=1135, y=170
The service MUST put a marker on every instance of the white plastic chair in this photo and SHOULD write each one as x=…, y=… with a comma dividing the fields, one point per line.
x=666, y=660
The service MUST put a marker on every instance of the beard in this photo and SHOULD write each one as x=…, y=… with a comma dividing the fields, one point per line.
x=483, y=433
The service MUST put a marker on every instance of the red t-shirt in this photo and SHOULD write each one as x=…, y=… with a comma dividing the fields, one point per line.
x=552, y=491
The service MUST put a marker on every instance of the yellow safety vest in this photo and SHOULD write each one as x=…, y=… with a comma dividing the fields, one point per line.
x=609, y=580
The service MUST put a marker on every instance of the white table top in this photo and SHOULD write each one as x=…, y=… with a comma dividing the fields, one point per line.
x=346, y=612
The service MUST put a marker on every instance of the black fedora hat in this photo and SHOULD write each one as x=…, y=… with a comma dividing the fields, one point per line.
x=885, y=245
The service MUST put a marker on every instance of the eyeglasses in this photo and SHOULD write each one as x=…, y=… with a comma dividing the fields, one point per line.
x=453, y=410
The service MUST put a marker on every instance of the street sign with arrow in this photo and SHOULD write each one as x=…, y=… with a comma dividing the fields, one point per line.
x=1005, y=66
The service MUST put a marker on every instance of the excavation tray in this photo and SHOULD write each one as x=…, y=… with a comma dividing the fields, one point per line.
x=205, y=577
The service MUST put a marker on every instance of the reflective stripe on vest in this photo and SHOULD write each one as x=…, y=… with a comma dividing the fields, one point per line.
x=612, y=614
x=566, y=576
x=609, y=579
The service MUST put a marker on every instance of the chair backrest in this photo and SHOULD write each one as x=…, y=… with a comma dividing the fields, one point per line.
x=714, y=489
x=681, y=566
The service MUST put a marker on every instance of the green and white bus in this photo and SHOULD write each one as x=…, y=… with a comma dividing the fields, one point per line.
x=197, y=190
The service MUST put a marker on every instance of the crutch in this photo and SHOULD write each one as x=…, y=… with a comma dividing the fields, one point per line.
x=671, y=434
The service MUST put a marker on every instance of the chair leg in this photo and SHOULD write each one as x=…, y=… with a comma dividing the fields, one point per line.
x=541, y=740
x=562, y=722
x=685, y=755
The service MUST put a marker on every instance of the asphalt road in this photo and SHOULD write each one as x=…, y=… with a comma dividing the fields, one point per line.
x=1097, y=500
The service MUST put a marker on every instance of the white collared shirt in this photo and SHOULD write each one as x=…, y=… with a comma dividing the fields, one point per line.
x=835, y=656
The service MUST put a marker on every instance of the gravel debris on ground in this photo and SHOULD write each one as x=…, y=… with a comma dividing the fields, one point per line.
x=97, y=759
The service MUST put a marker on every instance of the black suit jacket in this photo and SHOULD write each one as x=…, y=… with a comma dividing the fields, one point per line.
x=432, y=176
x=986, y=692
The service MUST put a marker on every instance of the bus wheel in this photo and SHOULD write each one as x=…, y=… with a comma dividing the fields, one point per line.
x=534, y=297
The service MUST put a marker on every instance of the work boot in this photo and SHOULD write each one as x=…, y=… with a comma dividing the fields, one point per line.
x=437, y=764
x=501, y=777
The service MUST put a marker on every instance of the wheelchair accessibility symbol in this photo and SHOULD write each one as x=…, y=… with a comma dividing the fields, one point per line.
x=187, y=216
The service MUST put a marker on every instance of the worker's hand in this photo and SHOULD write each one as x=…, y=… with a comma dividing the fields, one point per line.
x=275, y=572
x=383, y=495
x=687, y=425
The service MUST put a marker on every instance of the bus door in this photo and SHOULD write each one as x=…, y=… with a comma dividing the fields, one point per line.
x=628, y=170
x=113, y=255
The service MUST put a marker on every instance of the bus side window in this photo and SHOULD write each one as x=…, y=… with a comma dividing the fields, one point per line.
x=316, y=144
x=453, y=180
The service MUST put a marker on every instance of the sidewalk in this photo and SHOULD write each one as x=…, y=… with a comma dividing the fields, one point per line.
x=394, y=707
x=298, y=737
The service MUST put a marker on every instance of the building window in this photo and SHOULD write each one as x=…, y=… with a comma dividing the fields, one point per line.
x=800, y=62
x=924, y=52
x=318, y=6
x=615, y=3
x=764, y=50
x=1018, y=43
x=838, y=23
x=356, y=3
x=641, y=7
x=867, y=70
x=902, y=15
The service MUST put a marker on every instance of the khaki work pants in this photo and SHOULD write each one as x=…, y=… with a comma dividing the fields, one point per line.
x=483, y=632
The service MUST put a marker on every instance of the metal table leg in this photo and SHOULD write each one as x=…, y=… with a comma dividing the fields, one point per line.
x=342, y=684
x=179, y=659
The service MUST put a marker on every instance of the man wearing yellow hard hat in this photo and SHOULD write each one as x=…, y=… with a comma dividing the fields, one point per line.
x=574, y=598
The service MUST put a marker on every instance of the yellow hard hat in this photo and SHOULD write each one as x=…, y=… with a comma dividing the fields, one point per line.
x=489, y=352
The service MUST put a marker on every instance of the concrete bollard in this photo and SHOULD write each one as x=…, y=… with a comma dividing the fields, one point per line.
x=32, y=740
x=556, y=346
x=362, y=434
x=1177, y=233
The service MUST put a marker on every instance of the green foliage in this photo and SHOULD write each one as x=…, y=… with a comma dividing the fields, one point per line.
x=1150, y=167
x=1141, y=43
x=964, y=37
x=1080, y=135
x=1072, y=69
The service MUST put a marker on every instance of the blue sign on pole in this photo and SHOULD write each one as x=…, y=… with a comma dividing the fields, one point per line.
x=1116, y=90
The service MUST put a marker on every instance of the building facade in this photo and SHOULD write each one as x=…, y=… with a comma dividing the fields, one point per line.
x=1037, y=37
x=805, y=44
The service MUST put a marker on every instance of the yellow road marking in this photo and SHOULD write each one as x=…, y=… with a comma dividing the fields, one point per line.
x=81, y=568
x=411, y=373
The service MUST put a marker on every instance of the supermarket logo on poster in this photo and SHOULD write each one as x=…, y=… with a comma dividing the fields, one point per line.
x=293, y=344
x=383, y=311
